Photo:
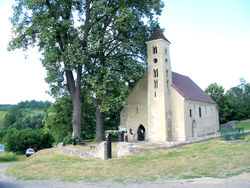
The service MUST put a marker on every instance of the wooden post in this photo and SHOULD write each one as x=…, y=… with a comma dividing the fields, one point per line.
x=109, y=146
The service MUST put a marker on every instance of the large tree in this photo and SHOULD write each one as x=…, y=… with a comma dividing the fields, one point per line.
x=64, y=31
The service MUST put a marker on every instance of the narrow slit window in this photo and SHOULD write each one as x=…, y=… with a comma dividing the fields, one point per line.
x=155, y=93
x=200, y=111
x=155, y=83
x=190, y=113
x=167, y=73
x=155, y=73
x=154, y=50
x=167, y=84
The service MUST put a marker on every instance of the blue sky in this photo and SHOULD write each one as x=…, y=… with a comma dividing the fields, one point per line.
x=210, y=42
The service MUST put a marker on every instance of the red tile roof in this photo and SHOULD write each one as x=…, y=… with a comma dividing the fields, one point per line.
x=189, y=90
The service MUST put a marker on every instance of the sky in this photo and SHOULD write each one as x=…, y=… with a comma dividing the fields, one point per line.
x=210, y=42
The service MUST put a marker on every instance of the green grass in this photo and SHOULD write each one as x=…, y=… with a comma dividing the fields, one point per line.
x=10, y=157
x=206, y=159
x=245, y=125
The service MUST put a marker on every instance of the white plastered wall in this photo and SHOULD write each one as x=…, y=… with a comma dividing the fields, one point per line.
x=135, y=112
x=208, y=123
x=177, y=115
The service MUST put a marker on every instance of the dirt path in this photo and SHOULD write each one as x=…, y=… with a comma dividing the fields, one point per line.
x=241, y=181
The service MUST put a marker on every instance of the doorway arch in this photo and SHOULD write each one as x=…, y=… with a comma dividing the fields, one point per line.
x=141, y=132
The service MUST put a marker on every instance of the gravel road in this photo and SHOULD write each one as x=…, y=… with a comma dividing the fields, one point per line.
x=241, y=181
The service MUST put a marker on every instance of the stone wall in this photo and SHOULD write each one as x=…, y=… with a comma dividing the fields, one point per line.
x=231, y=124
x=126, y=149
x=99, y=151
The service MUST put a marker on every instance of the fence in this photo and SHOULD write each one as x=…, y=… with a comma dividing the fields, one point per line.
x=233, y=134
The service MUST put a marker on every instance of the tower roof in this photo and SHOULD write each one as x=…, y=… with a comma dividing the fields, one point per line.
x=157, y=34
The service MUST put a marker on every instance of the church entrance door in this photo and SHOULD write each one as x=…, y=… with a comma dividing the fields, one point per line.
x=141, y=133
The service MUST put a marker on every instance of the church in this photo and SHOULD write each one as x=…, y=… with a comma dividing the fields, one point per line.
x=164, y=105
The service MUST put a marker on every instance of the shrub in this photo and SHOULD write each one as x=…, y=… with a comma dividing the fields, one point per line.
x=19, y=140
x=67, y=139
x=7, y=156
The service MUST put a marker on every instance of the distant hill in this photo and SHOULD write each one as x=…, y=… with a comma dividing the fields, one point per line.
x=16, y=113
x=5, y=105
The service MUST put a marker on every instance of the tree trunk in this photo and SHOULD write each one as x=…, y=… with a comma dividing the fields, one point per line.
x=77, y=116
x=99, y=127
x=74, y=89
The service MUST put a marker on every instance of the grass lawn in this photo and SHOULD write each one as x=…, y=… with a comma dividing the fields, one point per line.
x=206, y=159
x=245, y=125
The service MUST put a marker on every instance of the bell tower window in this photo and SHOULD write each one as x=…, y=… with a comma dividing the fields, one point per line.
x=154, y=50
x=155, y=73
x=167, y=73
x=155, y=84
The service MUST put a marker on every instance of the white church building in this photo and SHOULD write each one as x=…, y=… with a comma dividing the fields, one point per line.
x=164, y=105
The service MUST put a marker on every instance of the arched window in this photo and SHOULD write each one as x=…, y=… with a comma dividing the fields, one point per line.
x=166, y=51
x=200, y=111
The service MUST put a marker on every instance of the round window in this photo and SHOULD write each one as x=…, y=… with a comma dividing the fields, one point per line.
x=155, y=60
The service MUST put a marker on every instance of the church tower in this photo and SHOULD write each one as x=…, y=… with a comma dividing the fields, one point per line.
x=159, y=83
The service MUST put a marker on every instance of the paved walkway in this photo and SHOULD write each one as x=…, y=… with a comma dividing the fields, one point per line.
x=241, y=181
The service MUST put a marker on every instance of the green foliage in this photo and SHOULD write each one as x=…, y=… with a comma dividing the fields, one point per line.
x=67, y=139
x=245, y=125
x=234, y=104
x=58, y=119
x=7, y=156
x=13, y=118
x=28, y=114
x=2, y=134
x=33, y=121
x=33, y=104
x=19, y=140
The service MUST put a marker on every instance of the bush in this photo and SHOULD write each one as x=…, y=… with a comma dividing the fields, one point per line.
x=19, y=140
x=7, y=156
x=67, y=139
